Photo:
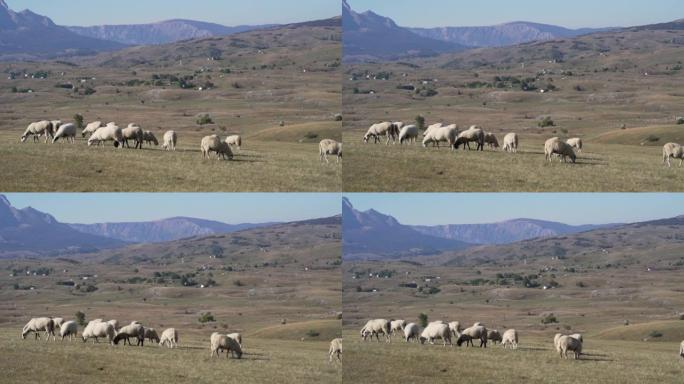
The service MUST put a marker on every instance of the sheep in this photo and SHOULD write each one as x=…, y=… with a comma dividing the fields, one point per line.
x=169, y=337
x=681, y=350
x=472, y=134
x=578, y=336
x=556, y=338
x=510, y=337
x=114, y=323
x=38, y=129
x=69, y=328
x=221, y=342
x=409, y=134
x=381, y=129
x=236, y=336
x=66, y=131
x=150, y=138
x=91, y=128
x=568, y=343
x=490, y=139
x=510, y=143
x=473, y=333
x=411, y=331
x=494, y=336
x=170, y=138
x=109, y=132
x=436, y=135
x=377, y=327
x=135, y=133
x=555, y=146
x=58, y=321
x=38, y=324
x=397, y=326
x=477, y=324
x=97, y=329
x=335, y=350
x=131, y=330
x=455, y=328
x=329, y=147
x=575, y=142
x=436, y=331
x=151, y=335
x=674, y=151
x=235, y=140
x=214, y=143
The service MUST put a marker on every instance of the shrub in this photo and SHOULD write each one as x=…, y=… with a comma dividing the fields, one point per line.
x=548, y=319
x=313, y=333
x=310, y=135
x=238, y=283
x=652, y=138
x=681, y=316
x=78, y=119
x=655, y=334
x=204, y=119
x=423, y=320
x=680, y=120
x=547, y=122
x=420, y=122
x=433, y=290
x=206, y=317
x=80, y=318
x=580, y=284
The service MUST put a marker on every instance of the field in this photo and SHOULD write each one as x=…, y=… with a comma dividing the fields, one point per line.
x=619, y=92
x=279, y=89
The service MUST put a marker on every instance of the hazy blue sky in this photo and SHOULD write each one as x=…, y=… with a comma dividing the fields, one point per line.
x=231, y=208
x=468, y=208
x=226, y=12
x=574, y=14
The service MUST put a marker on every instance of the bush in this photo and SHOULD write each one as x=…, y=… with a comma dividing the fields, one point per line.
x=652, y=138
x=312, y=333
x=204, y=119
x=310, y=135
x=420, y=122
x=423, y=320
x=580, y=284
x=238, y=283
x=78, y=119
x=680, y=120
x=655, y=334
x=681, y=316
x=206, y=317
x=80, y=318
x=548, y=319
x=433, y=290
x=547, y=122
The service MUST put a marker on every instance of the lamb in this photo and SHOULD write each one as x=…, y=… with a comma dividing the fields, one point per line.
x=436, y=331
x=213, y=143
x=151, y=335
x=472, y=134
x=494, y=336
x=674, y=151
x=555, y=146
x=681, y=350
x=409, y=134
x=335, y=350
x=38, y=324
x=575, y=142
x=377, y=327
x=69, y=328
x=91, y=128
x=135, y=133
x=510, y=143
x=131, y=330
x=397, y=326
x=412, y=331
x=170, y=139
x=381, y=129
x=235, y=140
x=67, y=132
x=436, y=135
x=97, y=329
x=510, y=337
x=568, y=343
x=236, y=336
x=221, y=342
x=150, y=138
x=455, y=328
x=473, y=333
x=490, y=139
x=169, y=337
x=110, y=132
x=38, y=129
x=329, y=147
x=58, y=321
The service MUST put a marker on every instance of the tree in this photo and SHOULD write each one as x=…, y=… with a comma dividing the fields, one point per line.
x=420, y=122
x=78, y=119
x=423, y=320
x=80, y=318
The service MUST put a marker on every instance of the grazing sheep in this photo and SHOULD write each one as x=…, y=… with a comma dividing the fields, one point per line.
x=674, y=151
x=131, y=330
x=213, y=143
x=170, y=139
x=412, y=331
x=681, y=349
x=455, y=328
x=335, y=350
x=97, y=329
x=477, y=324
x=556, y=338
x=381, y=129
x=568, y=343
x=38, y=129
x=58, y=321
x=494, y=336
x=67, y=132
x=135, y=133
x=38, y=324
x=578, y=336
x=235, y=140
x=114, y=323
x=436, y=331
x=221, y=342
x=555, y=146
x=397, y=326
x=576, y=143
x=150, y=138
x=236, y=336
x=170, y=337
x=329, y=147
x=476, y=332
x=377, y=327
x=91, y=128
x=409, y=134
x=436, y=135
x=490, y=139
x=151, y=335
x=510, y=337
x=510, y=143
x=69, y=328
x=472, y=134
x=109, y=132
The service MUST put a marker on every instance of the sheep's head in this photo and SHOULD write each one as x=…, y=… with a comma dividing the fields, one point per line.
x=116, y=144
x=23, y=335
x=423, y=339
x=23, y=138
x=365, y=138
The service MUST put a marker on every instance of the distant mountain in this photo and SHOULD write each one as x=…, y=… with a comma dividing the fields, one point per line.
x=371, y=234
x=29, y=232
x=371, y=36
x=162, y=230
x=504, y=232
x=163, y=32
x=27, y=35
x=502, y=35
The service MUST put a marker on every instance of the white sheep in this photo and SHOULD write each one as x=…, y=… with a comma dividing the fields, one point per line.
x=494, y=336
x=674, y=151
x=567, y=343
x=170, y=138
x=58, y=321
x=131, y=330
x=436, y=135
x=409, y=134
x=91, y=128
x=114, y=323
x=510, y=143
x=169, y=337
x=681, y=349
x=329, y=147
x=97, y=329
x=69, y=328
x=436, y=331
x=377, y=327
x=38, y=324
x=476, y=332
x=66, y=132
x=556, y=338
x=578, y=336
x=109, y=132
x=472, y=134
x=397, y=326
x=490, y=139
x=335, y=350
x=235, y=140
x=555, y=146
x=135, y=133
x=381, y=129
x=221, y=342
x=576, y=143
x=150, y=138
x=151, y=335
x=213, y=143
x=412, y=331
x=38, y=129
x=236, y=336
x=455, y=328
x=510, y=337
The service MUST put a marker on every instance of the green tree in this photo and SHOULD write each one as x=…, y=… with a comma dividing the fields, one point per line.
x=78, y=119
x=80, y=318
x=423, y=320
x=420, y=122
